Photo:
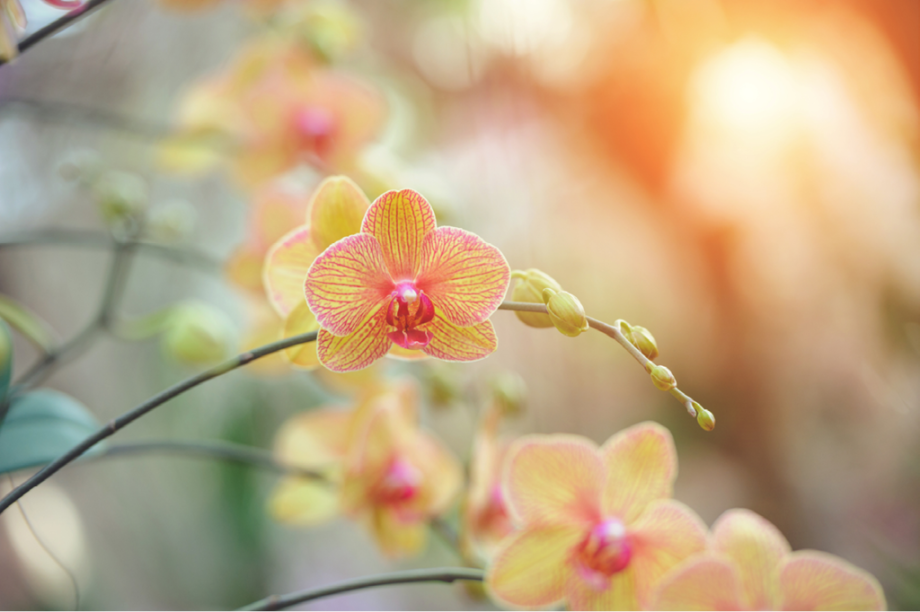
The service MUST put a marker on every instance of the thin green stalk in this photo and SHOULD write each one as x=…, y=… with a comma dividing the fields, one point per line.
x=436, y=574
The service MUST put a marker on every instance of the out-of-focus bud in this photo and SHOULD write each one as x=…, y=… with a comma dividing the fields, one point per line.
x=509, y=392
x=84, y=167
x=122, y=198
x=706, y=419
x=198, y=334
x=640, y=338
x=566, y=312
x=330, y=28
x=171, y=221
x=443, y=387
x=529, y=288
x=662, y=377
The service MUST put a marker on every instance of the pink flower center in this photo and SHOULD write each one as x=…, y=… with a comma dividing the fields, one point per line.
x=409, y=309
x=316, y=127
x=605, y=551
x=400, y=483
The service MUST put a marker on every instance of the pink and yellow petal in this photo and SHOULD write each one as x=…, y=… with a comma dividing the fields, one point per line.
x=666, y=534
x=641, y=465
x=811, y=580
x=285, y=269
x=702, y=582
x=244, y=269
x=531, y=567
x=317, y=439
x=453, y=343
x=441, y=471
x=336, y=210
x=347, y=284
x=276, y=212
x=620, y=595
x=357, y=350
x=757, y=548
x=404, y=354
x=299, y=501
x=397, y=538
x=400, y=221
x=463, y=275
x=553, y=480
x=301, y=321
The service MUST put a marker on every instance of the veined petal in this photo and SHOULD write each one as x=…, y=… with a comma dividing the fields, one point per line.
x=453, y=343
x=620, y=595
x=666, y=534
x=285, y=269
x=317, y=439
x=530, y=568
x=298, y=501
x=301, y=321
x=347, y=283
x=811, y=580
x=552, y=480
x=466, y=276
x=702, y=582
x=641, y=466
x=400, y=220
x=357, y=350
x=757, y=547
x=336, y=210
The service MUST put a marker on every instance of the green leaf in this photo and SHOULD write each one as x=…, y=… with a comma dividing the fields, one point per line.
x=6, y=359
x=40, y=427
x=27, y=323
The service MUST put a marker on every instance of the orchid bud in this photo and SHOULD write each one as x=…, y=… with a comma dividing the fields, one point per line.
x=198, y=334
x=706, y=419
x=662, y=377
x=172, y=221
x=566, y=312
x=640, y=338
x=122, y=198
x=509, y=392
x=529, y=288
x=443, y=386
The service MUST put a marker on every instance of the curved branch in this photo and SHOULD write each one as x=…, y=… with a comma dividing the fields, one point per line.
x=155, y=401
x=436, y=574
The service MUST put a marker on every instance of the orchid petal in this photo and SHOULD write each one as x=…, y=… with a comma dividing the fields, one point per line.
x=531, y=567
x=358, y=350
x=620, y=595
x=442, y=475
x=463, y=274
x=811, y=580
x=641, y=466
x=400, y=220
x=666, y=534
x=316, y=439
x=702, y=582
x=190, y=153
x=276, y=212
x=552, y=480
x=398, y=352
x=244, y=269
x=285, y=269
x=453, y=343
x=395, y=537
x=347, y=284
x=336, y=210
x=757, y=547
x=297, y=501
x=301, y=321
x=257, y=163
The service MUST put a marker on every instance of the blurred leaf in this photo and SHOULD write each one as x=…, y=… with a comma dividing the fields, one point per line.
x=40, y=427
x=6, y=359
x=27, y=323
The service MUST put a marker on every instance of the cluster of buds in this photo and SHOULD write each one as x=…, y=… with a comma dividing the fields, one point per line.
x=564, y=310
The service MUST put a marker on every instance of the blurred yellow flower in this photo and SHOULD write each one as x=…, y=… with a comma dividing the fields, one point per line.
x=12, y=24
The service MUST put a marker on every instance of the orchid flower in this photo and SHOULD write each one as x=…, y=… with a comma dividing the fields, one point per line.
x=12, y=25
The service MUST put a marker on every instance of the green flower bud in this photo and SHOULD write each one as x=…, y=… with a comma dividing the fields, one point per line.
x=443, y=386
x=640, y=338
x=509, y=391
x=122, y=198
x=706, y=419
x=172, y=221
x=529, y=288
x=566, y=312
x=662, y=377
x=198, y=334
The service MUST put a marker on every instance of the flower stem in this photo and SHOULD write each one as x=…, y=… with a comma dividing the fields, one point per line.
x=435, y=574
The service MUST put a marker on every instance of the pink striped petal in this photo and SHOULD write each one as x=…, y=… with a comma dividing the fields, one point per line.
x=554, y=480
x=531, y=567
x=464, y=275
x=757, y=548
x=347, y=283
x=811, y=580
x=400, y=220
x=285, y=269
x=336, y=210
x=620, y=595
x=641, y=466
x=702, y=582
x=453, y=343
x=358, y=350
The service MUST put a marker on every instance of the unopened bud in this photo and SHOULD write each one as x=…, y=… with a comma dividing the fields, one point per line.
x=640, y=338
x=706, y=419
x=566, y=312
x=443, y=386
x=529, y=288
x=172, y=221
x=509, y=391
x=198, y=334
x=122, y=198
x=662, y=377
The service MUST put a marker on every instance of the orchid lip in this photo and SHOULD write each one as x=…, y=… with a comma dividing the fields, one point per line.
x=606, y=550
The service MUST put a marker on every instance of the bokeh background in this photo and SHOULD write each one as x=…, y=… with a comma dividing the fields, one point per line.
x=739, y=176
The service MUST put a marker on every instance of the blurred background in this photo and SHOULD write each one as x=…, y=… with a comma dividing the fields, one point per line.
x=739, y=176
